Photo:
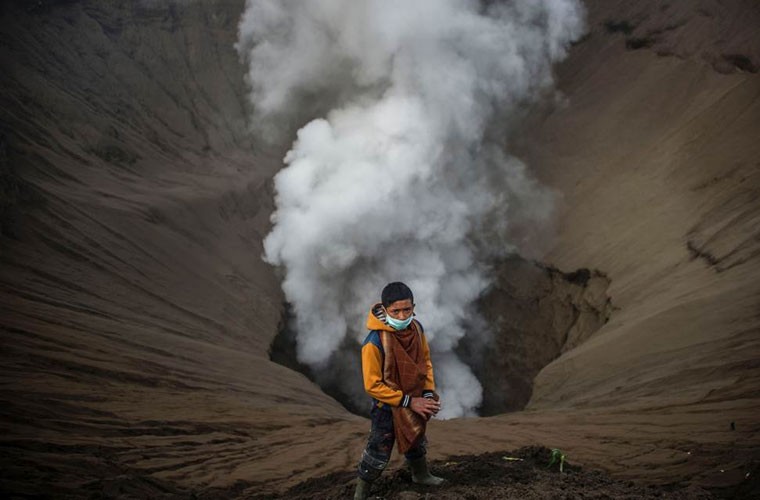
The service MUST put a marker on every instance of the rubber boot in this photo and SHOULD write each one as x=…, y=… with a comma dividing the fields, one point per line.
x=362, y=489
x=421, y=474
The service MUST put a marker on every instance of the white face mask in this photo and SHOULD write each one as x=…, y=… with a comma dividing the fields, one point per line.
x=398, y=324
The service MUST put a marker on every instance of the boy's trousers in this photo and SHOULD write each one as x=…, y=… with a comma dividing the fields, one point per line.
x=377, y=453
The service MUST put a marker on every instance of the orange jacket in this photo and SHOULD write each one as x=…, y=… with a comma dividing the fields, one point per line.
x=372, y=364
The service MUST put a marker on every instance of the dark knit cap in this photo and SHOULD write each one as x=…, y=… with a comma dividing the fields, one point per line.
x=394, y=292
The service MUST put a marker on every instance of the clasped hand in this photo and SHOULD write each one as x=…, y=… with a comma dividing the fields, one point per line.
x=425, y=407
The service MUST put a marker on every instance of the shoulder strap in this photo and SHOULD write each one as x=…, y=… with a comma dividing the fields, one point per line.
x=420, y=329
x=374, y=338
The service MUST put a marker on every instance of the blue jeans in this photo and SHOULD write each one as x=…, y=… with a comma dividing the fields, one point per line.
x=377, y=453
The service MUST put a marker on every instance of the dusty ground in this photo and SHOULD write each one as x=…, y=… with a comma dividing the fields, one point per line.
x=492, y=476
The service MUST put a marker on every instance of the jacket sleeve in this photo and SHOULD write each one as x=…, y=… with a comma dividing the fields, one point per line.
x=372, y=369
x=430, y=379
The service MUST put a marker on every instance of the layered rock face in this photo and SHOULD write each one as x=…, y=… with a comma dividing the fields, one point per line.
x=534, y=314
x=137, y=314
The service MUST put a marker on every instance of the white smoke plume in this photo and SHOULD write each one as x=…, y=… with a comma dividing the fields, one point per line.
x=402, y=177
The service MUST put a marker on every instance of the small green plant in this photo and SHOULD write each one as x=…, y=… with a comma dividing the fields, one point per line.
x=557, y=456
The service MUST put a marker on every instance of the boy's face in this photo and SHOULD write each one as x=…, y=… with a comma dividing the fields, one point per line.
x=401, y=309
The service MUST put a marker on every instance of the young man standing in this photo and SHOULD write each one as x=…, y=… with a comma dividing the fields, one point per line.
x=398, y=374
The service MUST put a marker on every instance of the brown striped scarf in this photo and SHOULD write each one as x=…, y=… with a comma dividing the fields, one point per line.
x=405, y=369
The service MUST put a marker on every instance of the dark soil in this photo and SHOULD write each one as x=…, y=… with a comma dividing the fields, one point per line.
x=491, y=476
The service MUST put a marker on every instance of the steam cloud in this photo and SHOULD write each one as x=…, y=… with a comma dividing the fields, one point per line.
x=402, y=175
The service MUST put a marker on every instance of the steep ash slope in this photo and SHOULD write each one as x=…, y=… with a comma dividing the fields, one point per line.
x=656, y=154
x=664, y=196
x=136, y=313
